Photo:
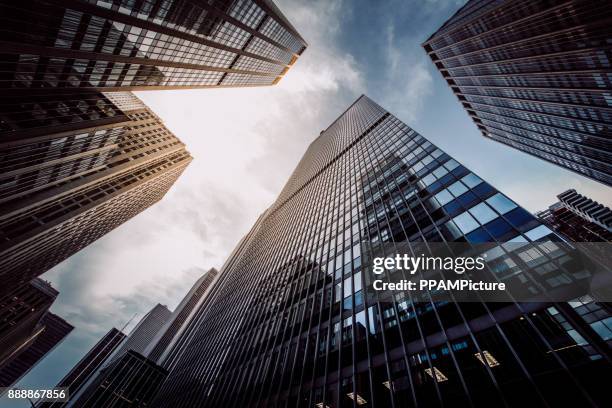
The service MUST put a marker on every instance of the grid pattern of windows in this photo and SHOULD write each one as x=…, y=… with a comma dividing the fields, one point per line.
x=110, y=44
x=129, y=381
x=288, y=324
x=61, y=191
x=534, y=75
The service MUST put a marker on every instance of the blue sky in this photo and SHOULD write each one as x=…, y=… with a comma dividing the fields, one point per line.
x=246, y=142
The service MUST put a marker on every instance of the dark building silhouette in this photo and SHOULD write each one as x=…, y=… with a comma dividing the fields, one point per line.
x=288, y=322
x=60, y=191
x=120, y=45
x=167, y=335
x=534, y=75
x=88, y=365
x=129, y=381
x=579, y=218
x=53, y=330
x=21, y=311
x=126, y=364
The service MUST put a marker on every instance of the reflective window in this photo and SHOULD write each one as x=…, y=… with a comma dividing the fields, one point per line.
x=466, y=222
x=483, y=213
x=501, y=203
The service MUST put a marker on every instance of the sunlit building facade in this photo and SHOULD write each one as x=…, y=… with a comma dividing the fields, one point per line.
x=534, y=75
x=166, y=337
x=153, y=44
x=62, y=188
x=288, y=323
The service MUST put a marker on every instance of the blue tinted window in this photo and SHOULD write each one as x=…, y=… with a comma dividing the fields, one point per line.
x=471, y=180
x=501, y=203
x=466, y=222
x=457, y=188
x=498, y=228
x=483, y=213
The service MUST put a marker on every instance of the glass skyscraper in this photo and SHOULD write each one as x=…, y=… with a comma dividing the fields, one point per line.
x=288, y=323
x=152, y=44
x=534, y=75
x=62, y=190
x=87, y=366
x=53, y=331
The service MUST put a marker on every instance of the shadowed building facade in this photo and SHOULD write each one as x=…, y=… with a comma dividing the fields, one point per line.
x=288, y=323
x=536, y=76
x=63, y=188
x=153, y=44
x=88, y=365
x=53, y=330
x=21, y=311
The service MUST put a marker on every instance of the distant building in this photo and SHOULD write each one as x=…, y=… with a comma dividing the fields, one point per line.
x=166, y=336
x=534, y=75
x=88, y=365
x=129, y=381
x=21, y=311
x=579, y=218
x=144, y=333
x=53, y=330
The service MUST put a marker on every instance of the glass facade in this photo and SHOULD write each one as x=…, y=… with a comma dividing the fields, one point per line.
x=52, y=331
x=20, y=313
x=87, y=366
x=150, y=44
x=534, y=75
x=167, y=335
x=579, y=218
x=288, y=323
x=60, y=191
x=129, y=381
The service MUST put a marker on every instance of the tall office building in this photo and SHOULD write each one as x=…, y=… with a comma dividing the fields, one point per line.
x=288, y=324
x=129, y=381
x=154, y=44
x=534, y=75
x=125, y=371
x=88, y=365
x=164, y=340
x=143, y=334
x=579, y=218
x=60, y=191
x=54, y=330
x=21, y=311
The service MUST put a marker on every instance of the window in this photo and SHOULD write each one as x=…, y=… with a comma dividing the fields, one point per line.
x=538, y=232
x=471, y=180
x=483, y=213
x=466, y=222
x=501, y=203
x=444, y=197
x=457, y=188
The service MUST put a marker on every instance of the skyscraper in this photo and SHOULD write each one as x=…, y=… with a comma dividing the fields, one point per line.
x=125, y=371
x=534, y=75
x=143, y=334
x=54, y=330
x=64, y=188
x=131, y=380
x=166, y=336
x=127, y=45
x=579, y=218
x=88, y=365
x=288, y=323
x=21, y=311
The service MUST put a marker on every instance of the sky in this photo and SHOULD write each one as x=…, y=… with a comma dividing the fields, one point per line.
x=247, y=141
